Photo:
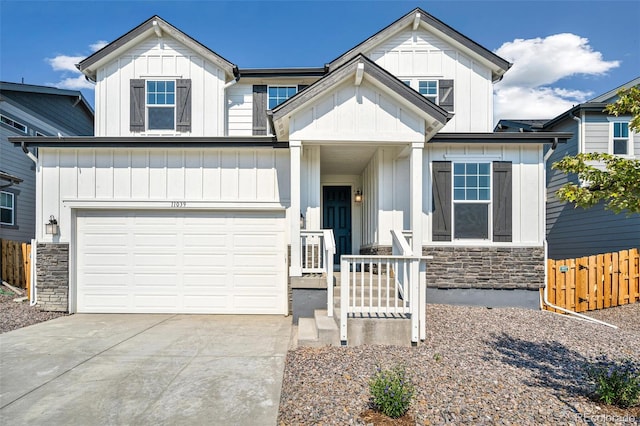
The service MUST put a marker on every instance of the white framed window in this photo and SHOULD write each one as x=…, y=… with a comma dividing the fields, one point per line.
x=161, y=104
x=7, y=208
x=621, y=139
x=429, y=89
x=279, y=94
x=471, y=200
x=14, y=124
x=40, y=134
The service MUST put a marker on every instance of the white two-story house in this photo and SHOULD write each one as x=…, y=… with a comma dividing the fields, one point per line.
x=204, y=179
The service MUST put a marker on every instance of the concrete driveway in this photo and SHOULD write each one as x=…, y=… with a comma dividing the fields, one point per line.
x=94, y=369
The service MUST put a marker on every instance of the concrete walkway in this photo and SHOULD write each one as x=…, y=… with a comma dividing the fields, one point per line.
x=94, y=369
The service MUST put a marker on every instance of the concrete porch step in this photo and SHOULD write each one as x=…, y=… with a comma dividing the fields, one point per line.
x=321, y=330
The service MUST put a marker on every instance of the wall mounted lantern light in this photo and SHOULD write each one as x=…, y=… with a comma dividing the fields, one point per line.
x=358, y=196
x=52, y=226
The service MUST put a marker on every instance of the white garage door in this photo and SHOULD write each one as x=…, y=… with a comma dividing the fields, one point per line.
x=182, y=262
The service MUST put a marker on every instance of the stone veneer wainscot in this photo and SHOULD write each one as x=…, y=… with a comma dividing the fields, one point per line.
x=52, y=274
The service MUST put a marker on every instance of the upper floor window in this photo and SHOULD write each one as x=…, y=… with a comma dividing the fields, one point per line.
x=161, y=102
x=14, y=124
x=160, y=105
x=7, y=208
x=279, y=94
x=621, y=140
x=471, y=200
x=429, y=89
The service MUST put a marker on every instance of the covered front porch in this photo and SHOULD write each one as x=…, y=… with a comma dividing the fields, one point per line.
x=360, y=237
x=356, y=140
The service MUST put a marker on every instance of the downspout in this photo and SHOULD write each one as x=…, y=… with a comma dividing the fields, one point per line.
x=546, y=252
x=33, y=299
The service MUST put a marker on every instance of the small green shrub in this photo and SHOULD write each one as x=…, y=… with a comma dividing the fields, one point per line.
x=616, y=382
x=392, y=391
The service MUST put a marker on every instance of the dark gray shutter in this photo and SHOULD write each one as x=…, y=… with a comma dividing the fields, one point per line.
x=183, y=105
x=441, y=224
x=445, y=94
x=502, y=201
x=302, y=86
x=136, y=105
x=259, y=110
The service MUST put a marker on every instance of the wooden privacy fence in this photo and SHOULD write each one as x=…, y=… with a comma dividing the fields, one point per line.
x=15, y=263
x=594, y=282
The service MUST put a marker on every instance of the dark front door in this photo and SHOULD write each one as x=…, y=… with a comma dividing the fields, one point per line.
x=336, y=215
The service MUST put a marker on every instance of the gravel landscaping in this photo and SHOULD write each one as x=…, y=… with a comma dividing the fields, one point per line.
x=14, y=315
x=477, y=366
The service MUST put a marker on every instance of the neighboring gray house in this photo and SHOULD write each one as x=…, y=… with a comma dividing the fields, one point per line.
x=28, y=110
x=577, y=232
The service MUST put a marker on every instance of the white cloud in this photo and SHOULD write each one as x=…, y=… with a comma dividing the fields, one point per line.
x=98, y=45
x=73, y=83
x=71, y=78
x=526, y=92
x=65, y=63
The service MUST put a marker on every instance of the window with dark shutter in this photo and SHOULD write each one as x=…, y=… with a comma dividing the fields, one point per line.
x=136, y=105
x=502, y=201
x=183, y=105
x=441, y=224
x=445, y=94
x=259, y=110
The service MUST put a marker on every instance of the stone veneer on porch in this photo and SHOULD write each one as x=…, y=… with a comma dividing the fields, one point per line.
x=503, y=268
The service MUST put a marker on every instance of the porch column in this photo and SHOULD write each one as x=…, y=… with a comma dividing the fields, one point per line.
x=415, y=197
x=295, y=151
x=418, y=290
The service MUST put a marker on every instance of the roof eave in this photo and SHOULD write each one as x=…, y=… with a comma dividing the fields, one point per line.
x=497, y=64
x=89, y=65
x=503, y=137
x=341, y=74
x=146, y=141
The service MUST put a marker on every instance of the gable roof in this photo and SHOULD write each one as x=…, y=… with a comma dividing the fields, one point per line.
x=612, y=93
x=373, y=71
x=497, y=65
x=157, y=25
x=596, y=104
x=65, y=109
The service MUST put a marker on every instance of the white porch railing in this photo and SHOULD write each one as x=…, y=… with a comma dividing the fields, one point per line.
x=317, y=249
x=382, y=286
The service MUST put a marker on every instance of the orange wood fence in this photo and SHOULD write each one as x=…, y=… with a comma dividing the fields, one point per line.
x=15, y=263
x=594, y=282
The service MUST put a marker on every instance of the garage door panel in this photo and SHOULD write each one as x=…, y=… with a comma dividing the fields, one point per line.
x=159, y=260
x=210, y=260
x=104, y=259
x=258, y=260
x=190, y=262
x=156, y=280
x=109, y=280
x=155, y=240
x=251, y=303
x=99, y=302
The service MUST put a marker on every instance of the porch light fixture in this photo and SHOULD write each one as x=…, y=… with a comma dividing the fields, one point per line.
x=52, y=226
x=358, y=196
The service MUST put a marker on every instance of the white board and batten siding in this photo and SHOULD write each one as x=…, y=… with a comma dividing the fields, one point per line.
x=240, y=110
x=357, y=113
x=171, y=230
x=420, y=55
x=158, y=59
x=386, y=179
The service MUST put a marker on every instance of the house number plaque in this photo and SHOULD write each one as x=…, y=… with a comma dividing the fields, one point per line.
x=178, y=204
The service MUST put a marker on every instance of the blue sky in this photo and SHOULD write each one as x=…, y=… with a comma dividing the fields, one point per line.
x=564, y=52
